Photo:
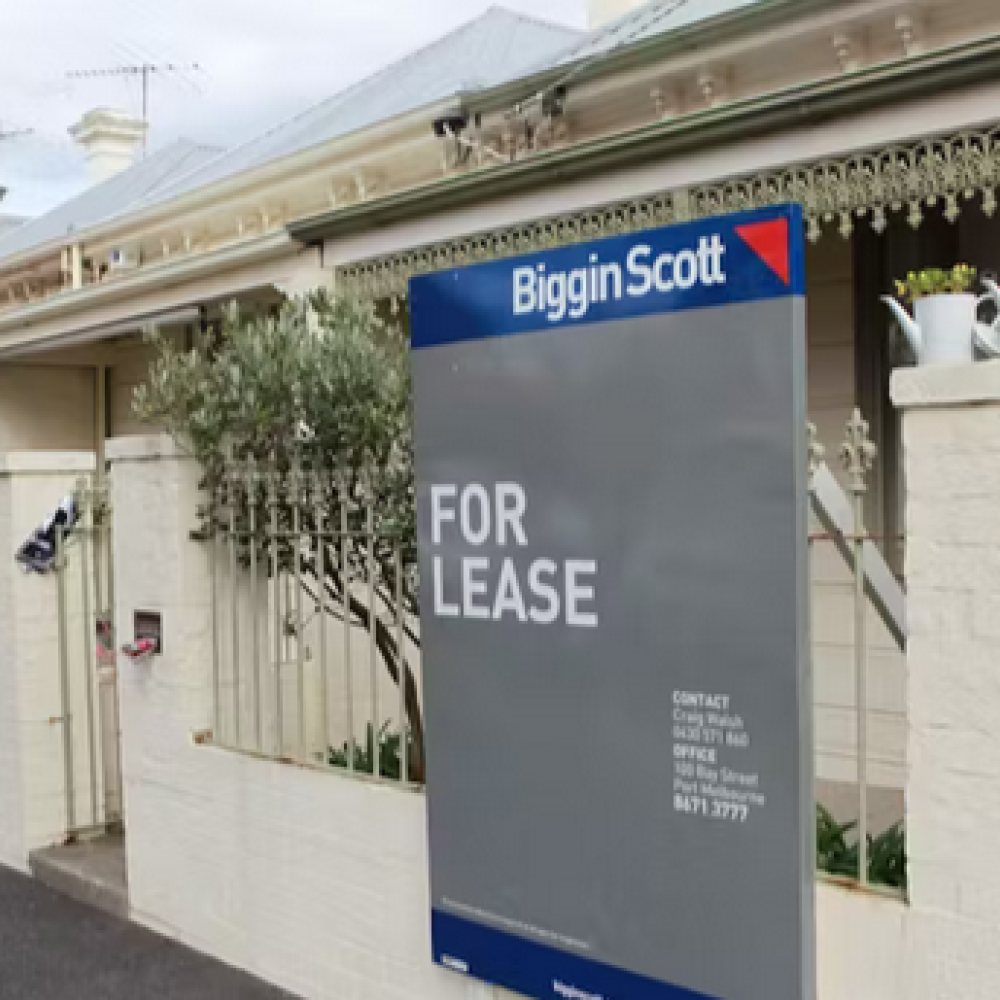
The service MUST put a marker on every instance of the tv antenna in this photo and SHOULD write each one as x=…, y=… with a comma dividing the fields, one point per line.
x=13, y=133
x=145, y=71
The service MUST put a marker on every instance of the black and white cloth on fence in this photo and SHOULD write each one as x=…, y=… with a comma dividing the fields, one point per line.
x=38, y=553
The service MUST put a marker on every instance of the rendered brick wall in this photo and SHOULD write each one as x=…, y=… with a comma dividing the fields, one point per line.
x=951, y=439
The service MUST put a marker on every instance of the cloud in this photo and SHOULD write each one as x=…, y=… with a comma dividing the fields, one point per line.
x=259, y=62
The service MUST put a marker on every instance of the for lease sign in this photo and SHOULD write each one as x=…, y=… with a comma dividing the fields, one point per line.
x=612, y=527
x=544, y=591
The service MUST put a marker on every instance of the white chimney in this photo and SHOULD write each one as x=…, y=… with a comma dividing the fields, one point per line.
x=110, y=140
x=603, y=11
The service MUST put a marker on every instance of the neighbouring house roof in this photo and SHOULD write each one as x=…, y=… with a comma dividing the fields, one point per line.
x=658, y=17
x=500, y=47
x=111, y=197
x=496, y=48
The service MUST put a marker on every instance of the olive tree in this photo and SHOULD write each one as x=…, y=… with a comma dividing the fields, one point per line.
x=313, y=401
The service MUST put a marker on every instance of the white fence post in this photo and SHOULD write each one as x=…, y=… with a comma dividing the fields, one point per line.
x=951, y=440
x=163, y=699
x=858, y=455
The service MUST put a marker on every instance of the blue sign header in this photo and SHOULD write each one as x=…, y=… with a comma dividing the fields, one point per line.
x=731, y=259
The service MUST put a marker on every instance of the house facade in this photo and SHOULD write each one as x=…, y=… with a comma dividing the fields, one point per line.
x=878, y=116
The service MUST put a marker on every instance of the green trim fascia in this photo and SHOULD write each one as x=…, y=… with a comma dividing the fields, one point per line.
x=806, y=104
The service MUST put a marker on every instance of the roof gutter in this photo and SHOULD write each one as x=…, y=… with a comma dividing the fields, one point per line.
x=807, y=104
x=139, y=324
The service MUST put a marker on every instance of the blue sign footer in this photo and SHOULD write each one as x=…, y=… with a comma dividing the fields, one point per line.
x=536, y=970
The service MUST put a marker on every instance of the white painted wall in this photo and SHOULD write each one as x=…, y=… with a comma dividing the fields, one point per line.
x=864, y=947
x=32, y=784
x=951, y=442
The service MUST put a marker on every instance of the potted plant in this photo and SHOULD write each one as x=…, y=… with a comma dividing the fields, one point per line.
x=941, y=330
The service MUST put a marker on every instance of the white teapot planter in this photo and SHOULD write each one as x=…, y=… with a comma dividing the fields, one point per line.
x=988, y=337
x=945, y=327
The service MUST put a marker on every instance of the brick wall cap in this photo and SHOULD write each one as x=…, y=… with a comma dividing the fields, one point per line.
x=46, y=462
x=946, y=385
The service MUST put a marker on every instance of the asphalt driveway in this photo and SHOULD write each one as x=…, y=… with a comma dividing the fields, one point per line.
x=52, y=948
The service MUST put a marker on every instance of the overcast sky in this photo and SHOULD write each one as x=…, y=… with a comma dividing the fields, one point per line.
x=260, y=61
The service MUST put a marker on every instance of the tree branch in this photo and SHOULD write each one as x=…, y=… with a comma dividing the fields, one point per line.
x=393, y=658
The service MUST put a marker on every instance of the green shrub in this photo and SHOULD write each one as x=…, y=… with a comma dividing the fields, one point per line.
x=389, y=761
x=887, y=858
x=837, y=855
x=320, y=386
x=935, y=281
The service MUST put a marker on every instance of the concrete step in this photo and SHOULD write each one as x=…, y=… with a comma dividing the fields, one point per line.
x=91, y=872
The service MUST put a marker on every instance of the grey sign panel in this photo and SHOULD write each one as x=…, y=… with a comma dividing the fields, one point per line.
x=612, y=524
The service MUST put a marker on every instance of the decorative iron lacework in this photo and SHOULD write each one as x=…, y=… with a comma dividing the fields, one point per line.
x=910, y=178
x=386, y=277
x=903, y=177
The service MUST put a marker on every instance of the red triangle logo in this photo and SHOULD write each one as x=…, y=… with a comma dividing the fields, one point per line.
x=769, y=240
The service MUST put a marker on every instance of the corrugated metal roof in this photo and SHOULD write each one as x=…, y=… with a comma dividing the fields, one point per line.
x=111, y=197
x=651, y=19
x=497, y=47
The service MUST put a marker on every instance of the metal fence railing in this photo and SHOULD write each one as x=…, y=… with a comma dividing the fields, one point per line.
x=316, y=638
x=858, y=670
x=87, y=672
x=317, y=658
